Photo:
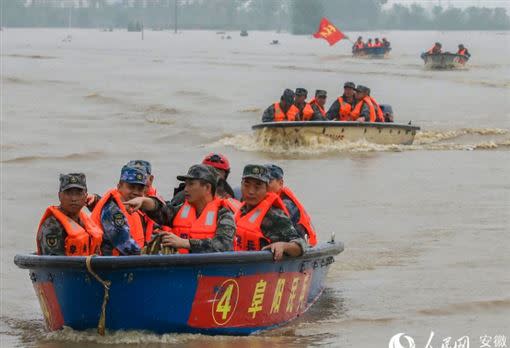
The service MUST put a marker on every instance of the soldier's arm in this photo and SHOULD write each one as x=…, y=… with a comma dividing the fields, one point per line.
x=163, y=213
x=92, y=200
x=277, y=227
x=51, y=237
x=333, y=111
x=224, y=238
x=116, y=231
x=365, y=112
x=268, y=115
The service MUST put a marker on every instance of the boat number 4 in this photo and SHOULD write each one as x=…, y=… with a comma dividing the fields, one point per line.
x=225, y=302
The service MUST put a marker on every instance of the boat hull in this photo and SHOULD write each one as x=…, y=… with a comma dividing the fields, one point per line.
x=444, y=61
x=298, y=132
x=223, y=293
x=372, y=52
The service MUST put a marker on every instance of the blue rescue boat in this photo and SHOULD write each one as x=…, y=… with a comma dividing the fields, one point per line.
x=230, y=293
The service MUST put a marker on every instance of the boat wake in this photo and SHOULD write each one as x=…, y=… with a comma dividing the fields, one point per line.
x=466, y=139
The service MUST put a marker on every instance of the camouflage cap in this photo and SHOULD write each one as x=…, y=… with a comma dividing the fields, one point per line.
x=133, y=175
x=256, y=171
x=349, y=84
x=321, y=93
x=363, y=89
x=301, y=92
x=275, y=172
x=72, y=180
x=145, y=165
x=200, y=172
x=288, y=96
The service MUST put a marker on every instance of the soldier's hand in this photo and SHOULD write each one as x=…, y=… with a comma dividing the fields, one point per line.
x=134, y=204
x=171, y=240
x=277, y=249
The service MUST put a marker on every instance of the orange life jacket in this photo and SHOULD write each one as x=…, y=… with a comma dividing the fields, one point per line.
x=307, y=112
x=280, y=116
x=81, y=240
x=379, y=115
x=344, y=112
x=249, y=236
x=370, y=44
x=462, y=52
x=232, y=204
x=357, y=109
x=304, y=218
x=378, y=44
x=359, y=45
x=431, y=51
x=187, y=225
x=134, y=220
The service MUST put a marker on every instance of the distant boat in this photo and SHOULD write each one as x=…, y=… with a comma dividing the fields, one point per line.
x=372, y=52
x=372, y=132
x=243, y=33
x=444, y=61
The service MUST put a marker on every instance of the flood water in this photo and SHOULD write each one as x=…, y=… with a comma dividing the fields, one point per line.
x=426, y=227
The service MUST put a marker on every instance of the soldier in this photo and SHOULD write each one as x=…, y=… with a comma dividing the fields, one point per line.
x=263, y=222
x=314, y=110
x=66, y=229
x=124, y=232
x=341, y=108
x=285, y=110
x=145, y=165
x=300, y=102
x=364, y=111
x=201, y=224
x=298, y=215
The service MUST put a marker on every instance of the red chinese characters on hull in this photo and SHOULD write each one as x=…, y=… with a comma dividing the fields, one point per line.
x=250, y=301
x=49, y=305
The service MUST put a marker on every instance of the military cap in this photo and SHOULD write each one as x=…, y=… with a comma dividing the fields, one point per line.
x=438, y=44
x=275, y=172
x=145, y=165
x=288, y=96
x=256, y=171
x=461, y=46
x=321, y=93
x=349, y=84
x=72, y=180
x=200, y=172
x=133, y=175
x=363, y=89
x=301, y=92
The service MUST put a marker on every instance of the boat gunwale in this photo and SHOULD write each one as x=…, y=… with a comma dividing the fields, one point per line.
x=32, y=261
x=322, y=124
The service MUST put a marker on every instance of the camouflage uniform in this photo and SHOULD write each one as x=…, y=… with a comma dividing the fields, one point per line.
x=334, y=110
x=268, y=115
x=51, y=236
x=223, y=240
x=276, y=225
x=317, y=114
x=117, y=234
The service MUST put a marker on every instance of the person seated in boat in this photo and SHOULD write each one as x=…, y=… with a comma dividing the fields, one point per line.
x=387, y=112
x=150, y=190
x=379, y=115
x=297, y=212
x=202, y=224
x=300, y=96
x=285, y=110
x=358, y=45
x=342, y=107
x=65, y=229
x=263, y=222
x=364, y=111
x=378, y=43
x=436, y=49
x=125, y=233
x=385, y=43
x=463, y=51
x=369, y=44
x=314, y=110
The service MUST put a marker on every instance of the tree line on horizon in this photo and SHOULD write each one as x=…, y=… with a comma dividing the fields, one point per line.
x=296, y=16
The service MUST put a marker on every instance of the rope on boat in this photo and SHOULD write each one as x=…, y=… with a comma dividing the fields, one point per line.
x=106, y=285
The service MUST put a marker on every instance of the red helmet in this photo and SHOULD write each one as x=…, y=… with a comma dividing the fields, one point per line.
x=217, y=160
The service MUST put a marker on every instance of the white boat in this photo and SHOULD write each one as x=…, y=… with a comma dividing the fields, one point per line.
x=373, y=132
x=444, y=61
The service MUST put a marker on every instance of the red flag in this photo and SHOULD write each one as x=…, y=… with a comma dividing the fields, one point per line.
x=328, y=32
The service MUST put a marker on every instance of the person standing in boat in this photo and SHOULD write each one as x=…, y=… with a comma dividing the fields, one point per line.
x=341, y=108
x=364, y=111
x=263, y=222
x=297, y=212
x=66, y=229
x=314, y=110
x=202, y=224
x=124, y=232
x=285, y=110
